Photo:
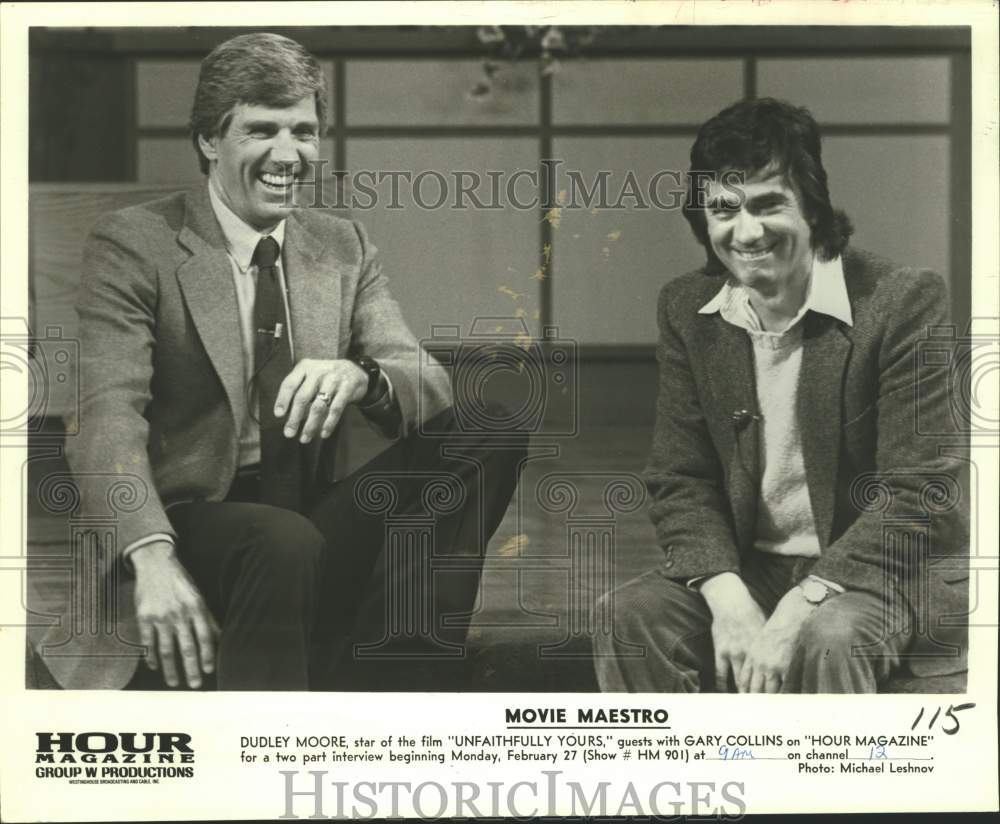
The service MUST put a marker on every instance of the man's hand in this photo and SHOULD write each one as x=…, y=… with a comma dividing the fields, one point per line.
x=737, y=621
x=767, y=663
x=172, y=615
x=342, y=381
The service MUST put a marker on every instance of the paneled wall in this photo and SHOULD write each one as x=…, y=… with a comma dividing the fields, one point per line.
x=896, y=148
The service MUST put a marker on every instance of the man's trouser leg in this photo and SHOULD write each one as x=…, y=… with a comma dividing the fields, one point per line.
x=662, y=638
x=673, y=625
x=257, y=568
x=436, y=557
x=847, y=646
x=841, y=648
x=295, y=594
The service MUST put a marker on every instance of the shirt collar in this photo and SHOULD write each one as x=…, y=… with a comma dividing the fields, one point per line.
x=827, y=293
x=241, y=239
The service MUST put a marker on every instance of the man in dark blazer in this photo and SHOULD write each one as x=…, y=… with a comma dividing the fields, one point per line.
x=813, y=534
x=223, y=333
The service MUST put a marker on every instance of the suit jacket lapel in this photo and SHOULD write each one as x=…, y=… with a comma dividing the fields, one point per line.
x=206, y=279
x=824, y=357
x=314, y=294
x=728, y=357
x=314, y=297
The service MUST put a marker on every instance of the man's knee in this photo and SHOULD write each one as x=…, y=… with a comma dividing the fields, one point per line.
x=283, y=543
x=835, y=631
x=636, y=605
x=617, y=619
x=651, y=636
x=473, y=422
x=452, y=443
x=842, y=648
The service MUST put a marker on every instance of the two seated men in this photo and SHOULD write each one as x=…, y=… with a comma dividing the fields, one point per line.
x=224, y=334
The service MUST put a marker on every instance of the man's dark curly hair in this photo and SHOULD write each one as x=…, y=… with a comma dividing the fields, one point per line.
x=754, y=135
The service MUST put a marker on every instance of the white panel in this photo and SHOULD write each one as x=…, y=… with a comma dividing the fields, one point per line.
x=165, y=91
x=861, y=89
x=609, y=266
x=895, y=189
x=448, y=265
x=644, y=91
x=166, y=160
x=401, y=92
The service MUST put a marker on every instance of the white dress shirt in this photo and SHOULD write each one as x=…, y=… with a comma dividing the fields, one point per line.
x=241, y=242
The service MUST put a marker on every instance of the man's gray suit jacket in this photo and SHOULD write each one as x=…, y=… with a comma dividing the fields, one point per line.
x=162, y=381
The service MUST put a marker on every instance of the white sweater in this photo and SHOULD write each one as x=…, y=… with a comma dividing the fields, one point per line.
x=785, y=523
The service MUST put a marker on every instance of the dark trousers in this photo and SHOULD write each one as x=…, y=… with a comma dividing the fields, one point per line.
x=663, y=638
x=372, y=587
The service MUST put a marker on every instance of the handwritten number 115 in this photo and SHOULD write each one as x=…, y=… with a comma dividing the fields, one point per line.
x=950, y=713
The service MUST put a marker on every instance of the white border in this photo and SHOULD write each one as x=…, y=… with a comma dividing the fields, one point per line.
x=966, y=779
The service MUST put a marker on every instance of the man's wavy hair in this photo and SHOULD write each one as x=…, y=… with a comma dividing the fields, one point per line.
x=754, y=135
x=255, y=69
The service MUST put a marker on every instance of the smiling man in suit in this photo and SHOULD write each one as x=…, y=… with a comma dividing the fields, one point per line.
x=786, y=419
x=223, y=334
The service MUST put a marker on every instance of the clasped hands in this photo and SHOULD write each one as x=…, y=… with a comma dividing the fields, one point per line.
x=756, y=650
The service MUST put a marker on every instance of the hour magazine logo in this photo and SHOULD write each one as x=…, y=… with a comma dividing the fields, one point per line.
x=110, y=758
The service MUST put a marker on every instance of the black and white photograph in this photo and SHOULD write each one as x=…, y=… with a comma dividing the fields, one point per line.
x=426, y=386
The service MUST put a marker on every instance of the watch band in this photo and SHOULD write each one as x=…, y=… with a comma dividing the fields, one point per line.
x=374, y=372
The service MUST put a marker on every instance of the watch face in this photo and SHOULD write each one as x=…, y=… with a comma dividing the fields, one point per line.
x=814, y=591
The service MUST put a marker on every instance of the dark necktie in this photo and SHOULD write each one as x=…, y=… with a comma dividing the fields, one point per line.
x=280, y=457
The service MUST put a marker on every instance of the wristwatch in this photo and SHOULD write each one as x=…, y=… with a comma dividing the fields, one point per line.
x=374, y=372
x=815, y=591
